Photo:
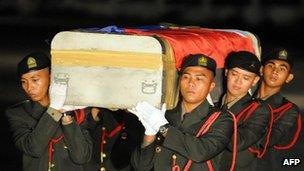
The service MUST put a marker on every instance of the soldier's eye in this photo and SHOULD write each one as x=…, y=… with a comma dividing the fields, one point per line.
x=246, y=78
x=233, y=73
x=185, y=76
x=282, y=69
x=199, y=78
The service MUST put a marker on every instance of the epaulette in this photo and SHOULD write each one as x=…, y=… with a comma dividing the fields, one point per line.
x=19, y=103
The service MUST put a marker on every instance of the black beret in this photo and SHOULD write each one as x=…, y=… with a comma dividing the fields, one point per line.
x=33, y=61
x=278, y=54
x=198, y=60
x=244, y=60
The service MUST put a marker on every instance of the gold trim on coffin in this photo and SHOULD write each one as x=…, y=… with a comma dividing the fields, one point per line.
x=170, y=82
x=106, y=58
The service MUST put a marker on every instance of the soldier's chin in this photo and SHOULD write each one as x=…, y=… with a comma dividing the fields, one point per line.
x=191, y=100
x=35, y=98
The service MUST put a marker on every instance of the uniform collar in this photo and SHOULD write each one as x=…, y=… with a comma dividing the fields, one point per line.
x=239, y=104
x=257, y=95
x=275, y=100
x=230, y=104
x=199, y=113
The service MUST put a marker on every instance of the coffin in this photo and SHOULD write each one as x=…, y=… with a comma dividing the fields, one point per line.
x=117, y=70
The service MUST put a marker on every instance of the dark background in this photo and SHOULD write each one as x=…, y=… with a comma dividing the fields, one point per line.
x=29, y=25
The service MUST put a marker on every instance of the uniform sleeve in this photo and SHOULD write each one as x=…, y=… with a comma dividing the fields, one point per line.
x=252, y=130
x=78, y=141
x=205, y=147
x=142, y=159
x=55, y=114
x=282, y=128
x=31, y=139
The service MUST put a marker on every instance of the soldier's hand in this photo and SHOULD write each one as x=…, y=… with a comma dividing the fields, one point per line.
x=66, y=119
x=148, y=128
x=153, y=116
x=94, y=112
x=57, y=93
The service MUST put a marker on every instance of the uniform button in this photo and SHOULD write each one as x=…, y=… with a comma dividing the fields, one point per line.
x=104, y=141
x=104, y=155
x=158, y=138
x=102, y=169
x=53, y=150
x=157, y=149
x=103, y=128
x=174, y=157
x=52, y=165
x=65, y=147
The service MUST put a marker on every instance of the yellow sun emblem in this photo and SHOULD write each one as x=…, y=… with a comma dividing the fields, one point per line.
x=283, y=54
x=31, y=62
x=202, y=61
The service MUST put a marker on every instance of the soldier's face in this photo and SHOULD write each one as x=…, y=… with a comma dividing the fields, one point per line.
x=36, y=84
x=276, y=73
x=195, y=84
x=239, y=81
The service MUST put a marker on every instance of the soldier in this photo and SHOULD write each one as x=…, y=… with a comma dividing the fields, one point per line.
x=191, y=134
x=286, y=118
x=115, y=135
x=48, y=139
x=242, y=72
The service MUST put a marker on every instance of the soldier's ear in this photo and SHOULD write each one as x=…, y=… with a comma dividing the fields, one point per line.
x=256, y=80
x=289, y=78
x=261, y=70
x=212, y=85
